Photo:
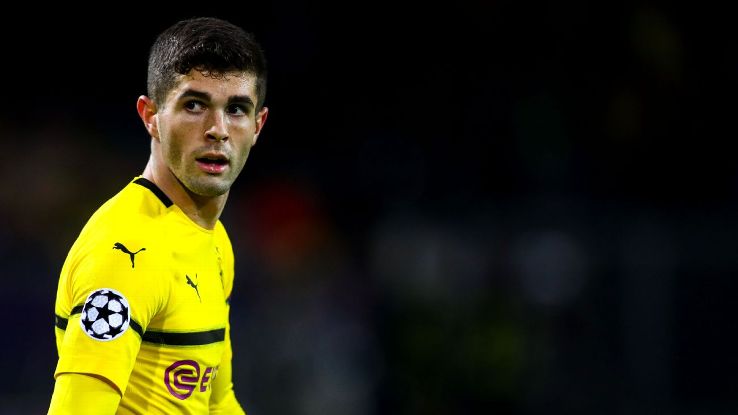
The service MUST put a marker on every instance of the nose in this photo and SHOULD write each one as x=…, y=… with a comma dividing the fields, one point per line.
x=218, y=129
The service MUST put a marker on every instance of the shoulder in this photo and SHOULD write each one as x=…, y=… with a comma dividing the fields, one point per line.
x=130, y=261
x=113, y=232
x=130, y=218
x=126, y=234
x=122, y=248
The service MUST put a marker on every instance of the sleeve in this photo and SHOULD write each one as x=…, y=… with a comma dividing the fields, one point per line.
x=223, y=399
x=116, y=288
x=77, y=394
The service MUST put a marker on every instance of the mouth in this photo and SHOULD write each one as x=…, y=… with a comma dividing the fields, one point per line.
x=212, y=163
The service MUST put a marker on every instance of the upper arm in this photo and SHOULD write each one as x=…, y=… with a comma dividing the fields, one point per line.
x=112, y=301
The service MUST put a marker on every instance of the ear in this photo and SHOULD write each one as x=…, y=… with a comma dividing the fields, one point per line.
x=147, y=111
x=261, y=118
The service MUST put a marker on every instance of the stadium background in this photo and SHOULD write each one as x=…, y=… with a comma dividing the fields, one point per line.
x=479, y=207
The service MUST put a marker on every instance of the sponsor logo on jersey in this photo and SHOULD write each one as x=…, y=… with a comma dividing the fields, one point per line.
x=183, y=377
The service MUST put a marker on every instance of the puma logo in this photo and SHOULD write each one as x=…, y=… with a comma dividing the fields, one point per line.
x=193, y=285
x=123, y=248
x=220, y=265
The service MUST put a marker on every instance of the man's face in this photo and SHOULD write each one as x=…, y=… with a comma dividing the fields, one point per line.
x=207, y=126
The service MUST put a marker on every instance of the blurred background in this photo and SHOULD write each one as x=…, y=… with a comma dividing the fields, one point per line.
x=475, y=207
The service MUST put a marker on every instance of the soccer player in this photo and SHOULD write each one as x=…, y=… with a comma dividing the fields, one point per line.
x=143, y=299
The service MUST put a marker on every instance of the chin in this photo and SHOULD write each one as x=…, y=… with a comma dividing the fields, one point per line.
x=209, y=187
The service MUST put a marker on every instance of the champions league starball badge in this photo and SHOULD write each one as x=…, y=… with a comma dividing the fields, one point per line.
x=105, y=315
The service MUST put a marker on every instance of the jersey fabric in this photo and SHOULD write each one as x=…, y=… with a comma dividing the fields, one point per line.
x=143, y=301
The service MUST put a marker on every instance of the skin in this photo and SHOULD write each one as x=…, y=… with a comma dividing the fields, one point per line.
x=202, y=116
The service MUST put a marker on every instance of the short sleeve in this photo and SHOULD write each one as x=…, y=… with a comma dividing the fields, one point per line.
x=115, y=288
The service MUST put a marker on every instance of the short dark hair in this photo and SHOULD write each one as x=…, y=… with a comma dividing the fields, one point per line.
x=205, y=44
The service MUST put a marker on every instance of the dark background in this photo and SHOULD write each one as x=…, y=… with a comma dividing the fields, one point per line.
x=475, y=207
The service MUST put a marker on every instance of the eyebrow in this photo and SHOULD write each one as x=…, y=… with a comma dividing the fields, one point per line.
x=234, y=99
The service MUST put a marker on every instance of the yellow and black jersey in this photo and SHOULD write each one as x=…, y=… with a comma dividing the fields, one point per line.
x=143, y=301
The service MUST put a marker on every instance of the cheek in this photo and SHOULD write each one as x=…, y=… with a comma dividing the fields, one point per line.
x=240, y=155
x=171, y=149
x=173, y=142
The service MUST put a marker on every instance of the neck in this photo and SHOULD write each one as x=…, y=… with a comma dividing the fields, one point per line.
x=202, y=210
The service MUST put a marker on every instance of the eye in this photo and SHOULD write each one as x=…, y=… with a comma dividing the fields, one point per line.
x=194, y=106
x=237, y=109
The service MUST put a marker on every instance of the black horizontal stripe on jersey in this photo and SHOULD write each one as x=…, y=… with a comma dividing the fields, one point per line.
x=137, y=328
x=196, y=338
x=62, y=322
x=154, y=189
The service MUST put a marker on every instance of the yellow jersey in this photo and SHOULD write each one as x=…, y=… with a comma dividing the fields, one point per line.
x=143, y=301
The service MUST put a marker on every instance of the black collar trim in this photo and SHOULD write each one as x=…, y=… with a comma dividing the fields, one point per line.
x=154, y=189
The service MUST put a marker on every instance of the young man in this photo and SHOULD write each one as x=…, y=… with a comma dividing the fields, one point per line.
x=143, y=298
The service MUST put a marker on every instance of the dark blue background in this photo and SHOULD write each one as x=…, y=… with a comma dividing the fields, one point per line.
x=475, y=207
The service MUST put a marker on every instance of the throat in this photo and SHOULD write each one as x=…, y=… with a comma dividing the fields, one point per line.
x=202, y=210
